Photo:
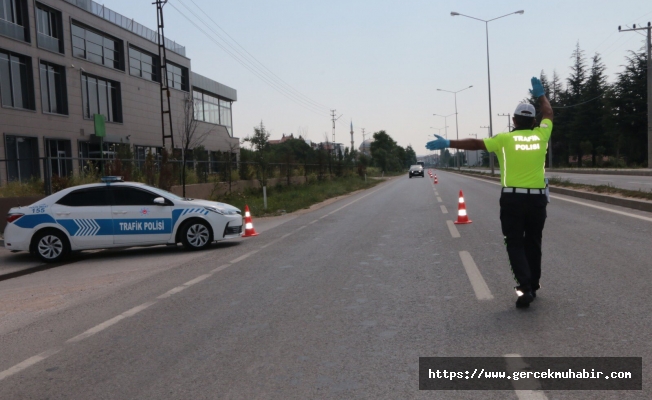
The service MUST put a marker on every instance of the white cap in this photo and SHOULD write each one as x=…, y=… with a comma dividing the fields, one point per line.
x=526, y=110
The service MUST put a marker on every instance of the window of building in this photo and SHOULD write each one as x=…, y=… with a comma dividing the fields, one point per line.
x=143, y=64
x=13, y=19
x=16, y=85
x=225, y=115
x=96, y=47
x=211, y=109
x=54, y=98
x=49, y=33
x=92, y=197
x=141, y=153
x=22, y=158
x=59, y=152
x=101, y=96
x=177, y=76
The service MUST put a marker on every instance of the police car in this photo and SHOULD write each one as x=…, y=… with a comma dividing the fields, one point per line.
x=117, y=214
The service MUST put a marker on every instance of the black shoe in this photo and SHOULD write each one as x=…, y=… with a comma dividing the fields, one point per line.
x=525, y=297
x=534, y=290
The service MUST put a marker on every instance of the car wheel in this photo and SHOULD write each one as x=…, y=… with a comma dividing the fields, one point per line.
x=196, y=235
x=50, y=246
x=410, y=176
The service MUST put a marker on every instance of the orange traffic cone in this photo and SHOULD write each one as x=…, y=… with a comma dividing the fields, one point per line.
x=436, y=180
x=249, y=225
x=462, y=218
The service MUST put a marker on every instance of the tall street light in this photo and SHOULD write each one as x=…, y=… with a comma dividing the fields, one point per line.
x=441, y=152
x=486, y=22
x=457, y=159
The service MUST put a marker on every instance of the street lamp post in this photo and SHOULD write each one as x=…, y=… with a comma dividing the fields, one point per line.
x=486, y=22
x=457, y=159
x=441, y=152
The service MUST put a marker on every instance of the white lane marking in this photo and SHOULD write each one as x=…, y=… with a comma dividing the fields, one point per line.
x=28, y=363
x=171, y=292
x=221, y=268
x=453, y=230
x=443, y=209
x=582, y=203
x=641, y=183
x=604, y=209
x=515, y=363
x=197, y=280
x=112, y=321
x=312, y=222
x=439, y=199
x=242, y=257
x=302, y=227
x=480, y=287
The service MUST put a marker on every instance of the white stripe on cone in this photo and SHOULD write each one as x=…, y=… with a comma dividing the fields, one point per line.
x=249, y=225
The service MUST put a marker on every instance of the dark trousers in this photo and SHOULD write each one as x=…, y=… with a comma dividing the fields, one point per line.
x=522, y=217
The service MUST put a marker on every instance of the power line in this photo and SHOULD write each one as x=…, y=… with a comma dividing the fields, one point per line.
x=262, y=77
x=271, y=74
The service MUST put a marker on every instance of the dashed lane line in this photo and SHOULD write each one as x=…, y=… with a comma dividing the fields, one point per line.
x=443, y=209
x=130, y=313
x=480, y=287
x=439, y=199
x=453, y=230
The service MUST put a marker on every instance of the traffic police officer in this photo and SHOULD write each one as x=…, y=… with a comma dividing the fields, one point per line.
x=523, y=201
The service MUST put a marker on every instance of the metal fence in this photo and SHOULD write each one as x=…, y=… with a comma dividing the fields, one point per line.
x=46, y=175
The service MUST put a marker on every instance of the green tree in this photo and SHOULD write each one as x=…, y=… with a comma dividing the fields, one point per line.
x=259, y=142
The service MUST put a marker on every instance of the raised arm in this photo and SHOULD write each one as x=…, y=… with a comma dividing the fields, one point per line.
x=546, y=108
x=539, y=93
x=468, y=144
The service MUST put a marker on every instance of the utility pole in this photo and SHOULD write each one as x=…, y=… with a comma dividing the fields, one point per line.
x=334, y=119
x=649, y=86
x=162, y=56
x=509, y=120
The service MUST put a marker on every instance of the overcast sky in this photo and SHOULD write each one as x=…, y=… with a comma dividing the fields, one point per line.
x=379, y=63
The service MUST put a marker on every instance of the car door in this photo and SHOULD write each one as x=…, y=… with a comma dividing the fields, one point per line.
x=137, y=219
x=86, y=215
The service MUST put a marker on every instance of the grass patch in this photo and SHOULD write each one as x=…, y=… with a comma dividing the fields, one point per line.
x=556, y=181
x=286, y=199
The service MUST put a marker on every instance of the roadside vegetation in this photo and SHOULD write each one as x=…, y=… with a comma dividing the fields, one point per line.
x=283, y=199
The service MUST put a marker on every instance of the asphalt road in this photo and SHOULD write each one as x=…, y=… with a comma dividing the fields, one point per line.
x=629, y=182
x=338, y=303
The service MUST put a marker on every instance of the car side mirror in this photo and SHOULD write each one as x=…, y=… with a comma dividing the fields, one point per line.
x=159, y=201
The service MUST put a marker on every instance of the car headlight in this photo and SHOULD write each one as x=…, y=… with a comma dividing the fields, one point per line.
x=220, y=210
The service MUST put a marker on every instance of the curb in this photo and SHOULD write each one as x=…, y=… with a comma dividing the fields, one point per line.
x=616, y=201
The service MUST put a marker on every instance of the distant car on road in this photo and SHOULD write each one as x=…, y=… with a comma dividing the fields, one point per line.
x=117, y=214
x=416, y=170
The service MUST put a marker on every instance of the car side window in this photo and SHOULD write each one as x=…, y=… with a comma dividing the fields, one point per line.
x=127, y=196
x=86, y=198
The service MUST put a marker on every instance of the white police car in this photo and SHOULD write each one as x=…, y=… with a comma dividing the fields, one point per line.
x=117, y=214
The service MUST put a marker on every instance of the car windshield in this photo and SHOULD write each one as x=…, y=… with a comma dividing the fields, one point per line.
x=415, y=167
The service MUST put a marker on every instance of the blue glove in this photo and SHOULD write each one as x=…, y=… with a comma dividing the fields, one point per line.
x=438, y=144
x=537, y=88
